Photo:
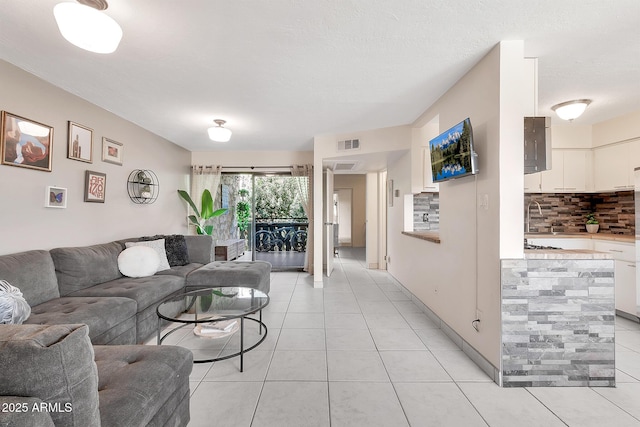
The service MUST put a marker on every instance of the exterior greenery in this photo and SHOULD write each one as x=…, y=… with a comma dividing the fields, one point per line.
x=243, y=212
x=278, y=199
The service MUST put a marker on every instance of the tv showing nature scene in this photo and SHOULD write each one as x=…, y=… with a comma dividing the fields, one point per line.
x=452, y=154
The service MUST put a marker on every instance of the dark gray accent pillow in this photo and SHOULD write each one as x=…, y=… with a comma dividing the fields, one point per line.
x=176, y=247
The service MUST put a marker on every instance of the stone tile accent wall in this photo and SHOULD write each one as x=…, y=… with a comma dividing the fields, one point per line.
x=565, y=212
x=426, y=204
x=558, y=323
x=226, y=226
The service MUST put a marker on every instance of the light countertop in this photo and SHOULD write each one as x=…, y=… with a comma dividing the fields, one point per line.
x=596, y=236
x=565, y=254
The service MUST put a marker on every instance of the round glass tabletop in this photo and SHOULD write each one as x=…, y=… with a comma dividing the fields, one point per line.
x=205, y=305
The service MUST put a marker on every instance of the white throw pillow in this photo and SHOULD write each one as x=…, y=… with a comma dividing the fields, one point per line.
x=158, y=246
x=138, y=261
x=13, y=307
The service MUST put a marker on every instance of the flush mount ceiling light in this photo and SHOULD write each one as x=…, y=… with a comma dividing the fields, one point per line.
x=571, y=109
x=219, y=133
x=86, y=26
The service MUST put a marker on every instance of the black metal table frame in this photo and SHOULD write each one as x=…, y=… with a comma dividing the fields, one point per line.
x=195, y=321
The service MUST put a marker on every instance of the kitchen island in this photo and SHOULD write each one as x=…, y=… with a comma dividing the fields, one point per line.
x=558, y=319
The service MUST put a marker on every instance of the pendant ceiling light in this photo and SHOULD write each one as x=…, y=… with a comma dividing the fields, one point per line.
x=86, y=26
x=571, y=109
x=219, y=133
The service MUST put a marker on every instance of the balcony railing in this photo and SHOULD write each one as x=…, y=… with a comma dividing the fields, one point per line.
x=281, y=235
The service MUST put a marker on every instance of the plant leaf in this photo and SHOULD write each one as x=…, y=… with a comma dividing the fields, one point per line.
x=207, y=205
x=208, y=229
x=219, y=212
x=187, y=198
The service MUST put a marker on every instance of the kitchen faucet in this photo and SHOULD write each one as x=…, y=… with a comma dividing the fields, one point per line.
x=529, y=212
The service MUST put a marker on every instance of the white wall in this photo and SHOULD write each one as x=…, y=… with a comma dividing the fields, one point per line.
x=460, y=276
x=357, y=183
x=372, y=203
x=619, y=129
x=324, y=147
x=251, y=158
x=27, y=224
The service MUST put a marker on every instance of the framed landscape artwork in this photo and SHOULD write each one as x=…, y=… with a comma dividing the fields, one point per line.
x=112, y=151
x=95, y=186
x=26, y=143
x=80, y=143
x=55, y=197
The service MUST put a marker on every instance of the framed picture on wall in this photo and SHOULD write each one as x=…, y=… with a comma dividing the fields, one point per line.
x=55, y=197
x=26, y=143
x=80, y=143
x=95, y=186
x=112, y=151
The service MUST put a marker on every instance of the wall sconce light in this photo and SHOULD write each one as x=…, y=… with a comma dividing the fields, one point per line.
x=571, y=109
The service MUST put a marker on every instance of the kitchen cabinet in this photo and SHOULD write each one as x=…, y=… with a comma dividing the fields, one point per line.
x=427, y=177
x=613, y=166
x=568, y=173
x=421, y=181
x=625, y=273
x=533, y=183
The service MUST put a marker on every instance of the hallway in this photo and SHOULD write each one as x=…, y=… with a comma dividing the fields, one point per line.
x=360, y=353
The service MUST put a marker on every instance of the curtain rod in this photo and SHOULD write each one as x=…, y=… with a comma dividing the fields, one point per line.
x=256, y=167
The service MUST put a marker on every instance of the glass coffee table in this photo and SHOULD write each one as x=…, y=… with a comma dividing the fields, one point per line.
x=215, y=313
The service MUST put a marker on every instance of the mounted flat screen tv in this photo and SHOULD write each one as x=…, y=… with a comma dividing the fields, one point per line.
x=452, y=154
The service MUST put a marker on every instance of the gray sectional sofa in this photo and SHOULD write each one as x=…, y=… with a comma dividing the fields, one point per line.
x=68, y=288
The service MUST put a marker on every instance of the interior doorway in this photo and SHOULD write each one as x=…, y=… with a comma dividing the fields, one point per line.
x=343, y=198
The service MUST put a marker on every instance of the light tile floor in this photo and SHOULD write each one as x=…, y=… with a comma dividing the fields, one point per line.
x=359, y=353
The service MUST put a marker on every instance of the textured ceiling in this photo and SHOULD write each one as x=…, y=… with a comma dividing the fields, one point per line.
x=282, y=71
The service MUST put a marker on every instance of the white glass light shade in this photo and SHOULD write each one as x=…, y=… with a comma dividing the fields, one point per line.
x=33, y=129
x=571, y=109
x=219, y=133
x=87, y=28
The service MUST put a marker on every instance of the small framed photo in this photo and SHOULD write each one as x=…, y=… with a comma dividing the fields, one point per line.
x=95, y=186
x=55, y=197
x=80, y=143
x=112, y=151
x=26, y=143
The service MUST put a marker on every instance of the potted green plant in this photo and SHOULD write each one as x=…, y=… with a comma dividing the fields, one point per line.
x=592, y=223
x=243, y=212
x=199, y=220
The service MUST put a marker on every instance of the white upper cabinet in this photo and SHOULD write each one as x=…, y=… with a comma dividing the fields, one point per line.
x=427, y=176
x=613, y=166
x=568, y=172
x=533, y=183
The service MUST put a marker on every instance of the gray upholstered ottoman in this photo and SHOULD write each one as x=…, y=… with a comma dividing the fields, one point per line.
x=253, y=274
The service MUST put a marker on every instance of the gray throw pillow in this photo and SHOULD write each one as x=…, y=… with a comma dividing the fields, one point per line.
x=54, y=363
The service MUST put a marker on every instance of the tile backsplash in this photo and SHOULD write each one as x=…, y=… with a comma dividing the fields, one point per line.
x=566, y=212
x=426, y=212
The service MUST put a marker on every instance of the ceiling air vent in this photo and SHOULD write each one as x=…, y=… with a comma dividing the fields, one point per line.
x=349, y=144
x=344, y=166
